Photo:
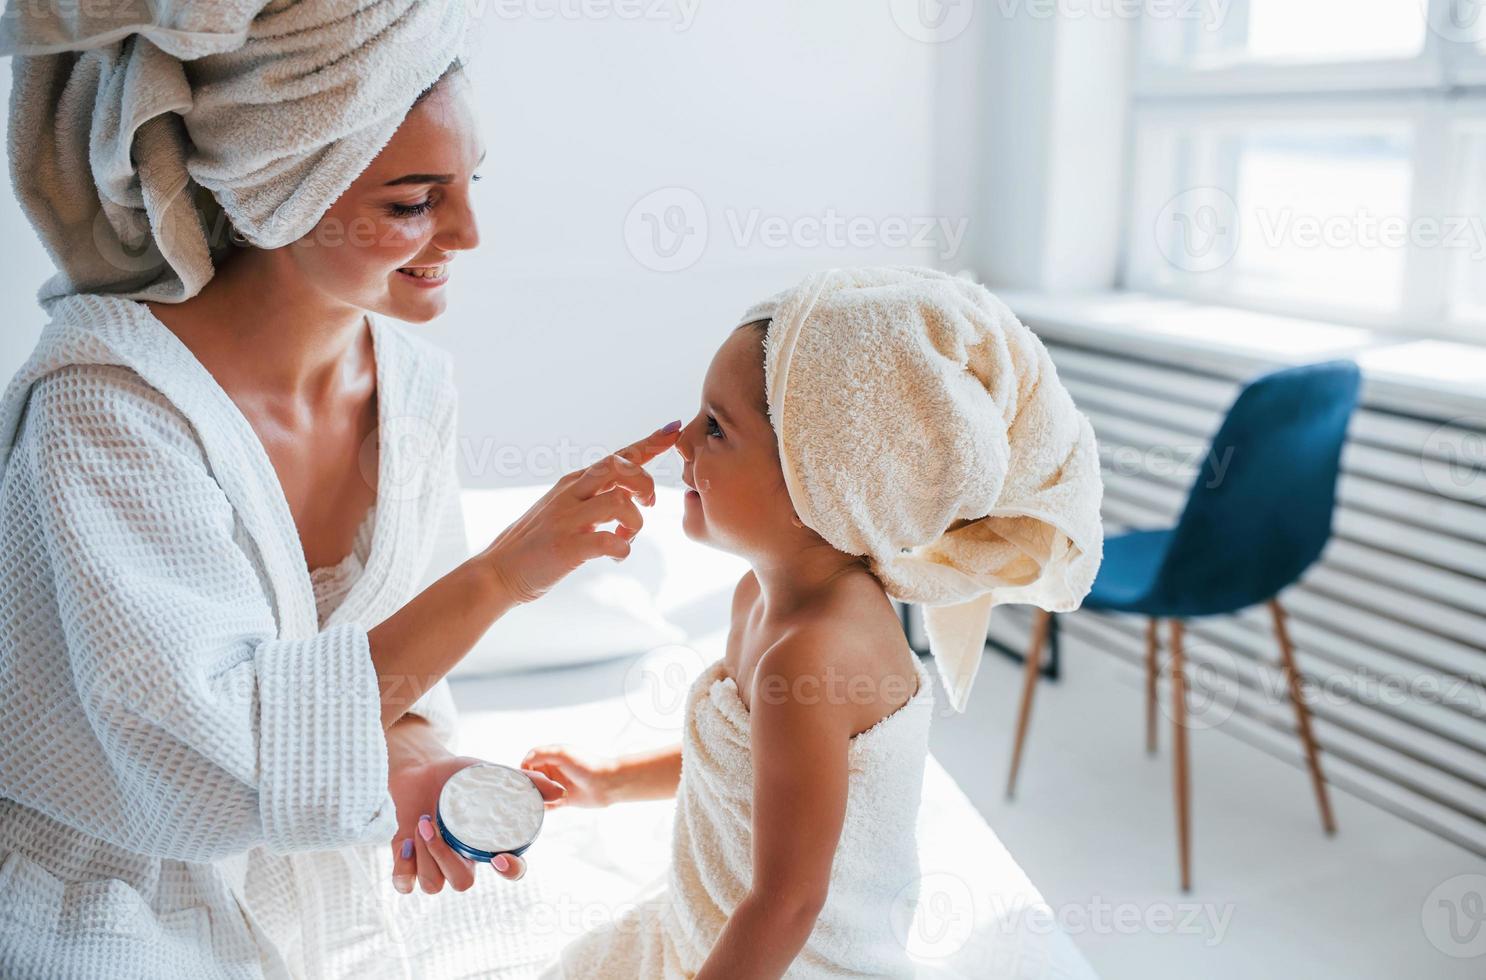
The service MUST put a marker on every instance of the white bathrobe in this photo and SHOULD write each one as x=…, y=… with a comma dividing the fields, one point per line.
x=193, y=773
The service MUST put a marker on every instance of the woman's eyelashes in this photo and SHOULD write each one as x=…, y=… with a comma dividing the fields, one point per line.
x=713, y=429
x=411, y=210
x=401, y=210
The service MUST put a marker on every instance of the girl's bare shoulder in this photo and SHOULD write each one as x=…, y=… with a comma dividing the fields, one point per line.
x=852, y=649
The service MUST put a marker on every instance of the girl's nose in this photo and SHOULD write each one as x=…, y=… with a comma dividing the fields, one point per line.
x=683, y=443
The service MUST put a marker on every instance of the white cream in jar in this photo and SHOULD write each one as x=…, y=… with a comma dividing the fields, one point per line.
x=489, y=809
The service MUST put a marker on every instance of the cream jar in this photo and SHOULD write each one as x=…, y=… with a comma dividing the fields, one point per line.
x=489, y=809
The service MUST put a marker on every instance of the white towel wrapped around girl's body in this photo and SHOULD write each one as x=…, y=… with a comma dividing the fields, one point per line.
x=873, y=880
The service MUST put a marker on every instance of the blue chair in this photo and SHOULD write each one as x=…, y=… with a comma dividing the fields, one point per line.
x=1241, y=539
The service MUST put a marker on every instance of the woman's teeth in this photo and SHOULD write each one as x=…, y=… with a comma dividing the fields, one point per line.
x=426, y=272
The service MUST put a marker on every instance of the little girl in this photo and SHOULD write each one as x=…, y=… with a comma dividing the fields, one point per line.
x=801, y=767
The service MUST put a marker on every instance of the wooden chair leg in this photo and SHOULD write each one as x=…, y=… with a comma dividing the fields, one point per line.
x=1041, y=619
x=1179, y=753
x=1152, y=642
x=1302, y=715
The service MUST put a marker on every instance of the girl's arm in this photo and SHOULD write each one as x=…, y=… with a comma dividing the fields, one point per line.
x=647, y=776
x=799, y=748
x=599, y=782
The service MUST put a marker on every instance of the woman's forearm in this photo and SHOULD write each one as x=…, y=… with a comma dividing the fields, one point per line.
x=416, y=646
x=412, y=740
x=646, y=776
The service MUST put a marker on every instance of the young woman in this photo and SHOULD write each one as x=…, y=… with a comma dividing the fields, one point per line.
x=224, y=621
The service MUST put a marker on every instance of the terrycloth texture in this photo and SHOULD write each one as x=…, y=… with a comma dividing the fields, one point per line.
x=920, y=424
x=180, y=727
x=135, y=123
x=667, y=936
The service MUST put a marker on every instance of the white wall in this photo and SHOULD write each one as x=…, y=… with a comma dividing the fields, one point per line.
x=773, y=109
x=1050, y=111
x=24, y=269
x=569, y=339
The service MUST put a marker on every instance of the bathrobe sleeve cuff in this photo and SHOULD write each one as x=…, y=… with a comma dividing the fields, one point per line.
x=322, y=751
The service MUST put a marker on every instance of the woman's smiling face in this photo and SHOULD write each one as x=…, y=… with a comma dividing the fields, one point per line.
x=736, y=498
x=387, y=242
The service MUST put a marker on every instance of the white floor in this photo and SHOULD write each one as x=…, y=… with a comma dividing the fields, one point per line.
x=1093, y=825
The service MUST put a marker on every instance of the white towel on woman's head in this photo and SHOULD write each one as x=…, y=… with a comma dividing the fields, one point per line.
x=134, y=124
x=922, y=425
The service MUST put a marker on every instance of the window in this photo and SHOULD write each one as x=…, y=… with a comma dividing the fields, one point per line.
x=1287, y=31
x=1319, y=158
x=1469, y=273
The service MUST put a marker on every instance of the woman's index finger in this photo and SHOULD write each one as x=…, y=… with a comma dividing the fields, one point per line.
x=650, y=447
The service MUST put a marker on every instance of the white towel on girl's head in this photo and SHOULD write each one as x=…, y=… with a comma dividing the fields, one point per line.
x=135, y=124
x=922, y=425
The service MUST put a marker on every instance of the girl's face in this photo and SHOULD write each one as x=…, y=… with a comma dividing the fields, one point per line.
x=387, y=243
x=736, y=498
